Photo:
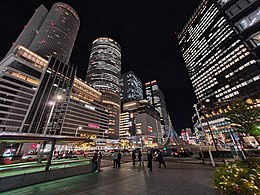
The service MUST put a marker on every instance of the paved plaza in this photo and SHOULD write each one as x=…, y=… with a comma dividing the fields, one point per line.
x=177, y=178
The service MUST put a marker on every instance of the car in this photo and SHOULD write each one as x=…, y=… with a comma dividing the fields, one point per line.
x=33, y=156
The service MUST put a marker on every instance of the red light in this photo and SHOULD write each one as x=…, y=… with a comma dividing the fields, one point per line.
x=52, y=24
x=33, y=145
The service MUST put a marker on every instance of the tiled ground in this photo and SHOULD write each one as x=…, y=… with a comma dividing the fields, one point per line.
x=176, y=179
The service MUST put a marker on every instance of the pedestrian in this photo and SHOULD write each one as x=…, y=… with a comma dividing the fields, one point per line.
x=160, y=160
x=115, y=159
x=150, y=159
x=133, y=156
x=139, y=157
x=119, y=159
x=95, y=161
x=99, y=160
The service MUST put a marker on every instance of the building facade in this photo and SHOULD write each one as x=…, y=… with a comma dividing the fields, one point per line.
x=85, y=113
x=220, y=46
x=131, y=87
x=140, y=118
x=20, y=76
x=51, y=33
x=58, y=33
x=156, y=98
x=103, y=74
x=46, y=115
x=31, y=29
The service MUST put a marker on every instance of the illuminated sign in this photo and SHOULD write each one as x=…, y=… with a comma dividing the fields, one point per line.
x=93, y=126
x=150, y=129
x=89, y=107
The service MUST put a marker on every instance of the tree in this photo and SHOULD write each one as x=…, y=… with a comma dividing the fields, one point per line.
x=87, y=144
x=245, y=117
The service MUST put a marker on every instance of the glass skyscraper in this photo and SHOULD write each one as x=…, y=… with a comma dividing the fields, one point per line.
x=156, y=98
x=103, y=74
x=220, y=46
x=51, y=33
x=131, y=87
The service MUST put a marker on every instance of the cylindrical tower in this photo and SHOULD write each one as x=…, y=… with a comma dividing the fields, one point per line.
x=58, y=33
x=104, y=71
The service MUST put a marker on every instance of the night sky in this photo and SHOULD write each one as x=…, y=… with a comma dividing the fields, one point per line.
x=146, y=31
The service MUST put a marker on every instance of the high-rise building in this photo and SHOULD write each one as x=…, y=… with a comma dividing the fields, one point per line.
x=85, y=112
x=156, y=98
x=57, y=34
x=51, y=33
x=103, y=74
x=140, y=118
x=31, y=29
x=220, y=46
x=215, y=46
x=131, y=87
x=20, y=76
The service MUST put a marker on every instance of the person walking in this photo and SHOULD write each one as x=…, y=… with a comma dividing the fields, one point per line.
x=150, y=159
x=115, y=159
x=119, y=159
x=139, y=157
x=160, y=160
x=95, y=161
x=133, y=156
x=99, y=160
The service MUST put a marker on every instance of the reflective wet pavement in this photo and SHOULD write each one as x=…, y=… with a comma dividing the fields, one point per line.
x=176, y=179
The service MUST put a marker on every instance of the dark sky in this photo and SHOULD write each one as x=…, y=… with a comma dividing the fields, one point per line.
x=145, y=29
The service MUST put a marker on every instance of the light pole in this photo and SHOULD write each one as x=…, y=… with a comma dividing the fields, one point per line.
x=210, y=154
x=42, y=144
x=103, y=137
x=79, y=128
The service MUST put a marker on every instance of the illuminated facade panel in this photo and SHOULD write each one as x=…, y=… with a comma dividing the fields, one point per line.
x=103, y=74
x=131, y=87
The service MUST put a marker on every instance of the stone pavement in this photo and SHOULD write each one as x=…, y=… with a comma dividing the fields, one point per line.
x=176, y=179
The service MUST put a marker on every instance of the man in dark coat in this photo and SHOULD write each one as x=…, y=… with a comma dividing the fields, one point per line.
x=133, y=156
x=150, y=160
x=160, y=160
x=119, y=159
x=139, y=157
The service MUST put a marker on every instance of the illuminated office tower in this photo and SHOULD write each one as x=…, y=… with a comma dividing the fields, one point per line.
x=220, y=46
x=103, y=74
x=156, y=98
x=131, y=87
x=57, y=34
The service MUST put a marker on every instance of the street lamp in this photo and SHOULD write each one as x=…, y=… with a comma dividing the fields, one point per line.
x=79, y=128
x=42, y=144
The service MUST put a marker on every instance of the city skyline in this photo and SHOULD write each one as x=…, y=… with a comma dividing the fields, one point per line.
x=148, y=39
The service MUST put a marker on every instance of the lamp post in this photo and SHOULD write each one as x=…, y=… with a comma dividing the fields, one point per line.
x=43, y=144
x=103, y=137
x=79, y=128
x=210, y=154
